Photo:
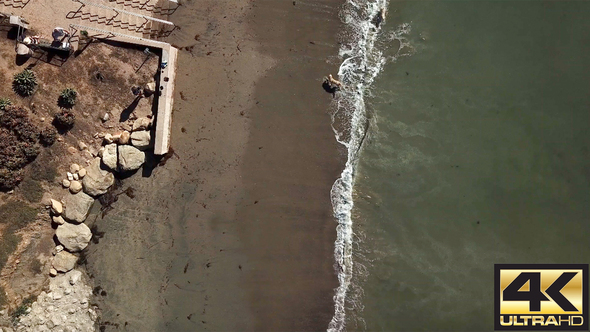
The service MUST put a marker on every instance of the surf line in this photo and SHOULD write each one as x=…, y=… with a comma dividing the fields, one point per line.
x=361, y=65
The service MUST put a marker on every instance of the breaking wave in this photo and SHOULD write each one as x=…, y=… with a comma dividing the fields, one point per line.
x=363, y=60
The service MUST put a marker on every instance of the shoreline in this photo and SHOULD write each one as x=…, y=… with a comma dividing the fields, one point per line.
x=292, y=162
x=204, y=249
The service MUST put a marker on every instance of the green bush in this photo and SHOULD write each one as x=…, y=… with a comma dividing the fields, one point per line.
x=67, y=98
x=24, y=83
x=64, y=120
x=48, y=136
x=4, y=102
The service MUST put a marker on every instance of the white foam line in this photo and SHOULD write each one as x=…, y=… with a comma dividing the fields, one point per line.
x=362, y=63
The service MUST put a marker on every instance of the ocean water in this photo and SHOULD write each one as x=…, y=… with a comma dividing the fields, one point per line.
x=467, y=125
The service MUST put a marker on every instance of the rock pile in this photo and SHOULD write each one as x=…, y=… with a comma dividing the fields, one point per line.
x=64, y=307
x=73, y=178
x=123, y=152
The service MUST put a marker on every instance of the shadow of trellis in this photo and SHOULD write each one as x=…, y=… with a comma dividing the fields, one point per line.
x=14, y=3
x=118, y=23
x=144, y=5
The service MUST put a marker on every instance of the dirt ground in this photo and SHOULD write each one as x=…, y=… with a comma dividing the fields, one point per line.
x=102, y=74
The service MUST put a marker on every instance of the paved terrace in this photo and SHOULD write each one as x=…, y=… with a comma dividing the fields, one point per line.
x=132, y=22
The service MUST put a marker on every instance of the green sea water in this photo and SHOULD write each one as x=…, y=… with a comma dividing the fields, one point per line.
x=477, y=154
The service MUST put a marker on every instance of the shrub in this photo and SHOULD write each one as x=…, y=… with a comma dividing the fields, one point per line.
x=10, y=178
x=64, y=120
x=18, y=145
x=67, y=98
x=4, y=102
x=48, y=136
x=30, y=151
x=24, y=83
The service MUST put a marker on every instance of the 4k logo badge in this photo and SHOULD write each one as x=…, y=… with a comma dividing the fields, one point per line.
x=541, y=297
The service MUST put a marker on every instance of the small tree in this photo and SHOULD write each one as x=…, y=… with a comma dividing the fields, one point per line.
x=24, y=83
x=67, y=98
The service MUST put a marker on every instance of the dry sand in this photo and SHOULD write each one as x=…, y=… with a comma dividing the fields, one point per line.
x=235, y=231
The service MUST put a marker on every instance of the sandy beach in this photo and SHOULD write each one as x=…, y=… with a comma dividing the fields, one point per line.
x=235, y=231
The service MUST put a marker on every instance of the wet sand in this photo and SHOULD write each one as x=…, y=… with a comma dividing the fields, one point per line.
x=235, y=232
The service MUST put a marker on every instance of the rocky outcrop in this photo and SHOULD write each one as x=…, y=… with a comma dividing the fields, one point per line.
x=109, y=156
x=64, y=307
x=130, y=158
x=64, y=261
x=73, y=237
x=141, y=139
x=77, y=207
x=98, y=179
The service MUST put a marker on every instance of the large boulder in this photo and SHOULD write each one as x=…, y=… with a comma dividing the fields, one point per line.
x=77, y=207
x=141, y=139
x=130, y=158
x=109, y=156
x=64, y=261
x=98, y=179
x=73, y=237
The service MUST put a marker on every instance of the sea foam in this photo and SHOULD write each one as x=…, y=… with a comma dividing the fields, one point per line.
x=363, y=61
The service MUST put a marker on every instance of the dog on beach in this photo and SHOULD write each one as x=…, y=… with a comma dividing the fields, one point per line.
x=331, y=85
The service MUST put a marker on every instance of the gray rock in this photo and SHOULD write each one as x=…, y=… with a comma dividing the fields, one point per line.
x=130, y=158
x=75, y=187
x=77, y=207
x=74, y=168
x=109, y=156
x=141, y=124
x=98, y=179
x=56, y=207
x=64, y=261
x=73, y=237
x=149, y=88
x=59, y=220
x=82, y=146
x=141, y=139
x=75, y=277
x=124, y=137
